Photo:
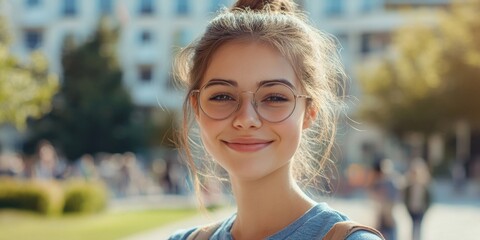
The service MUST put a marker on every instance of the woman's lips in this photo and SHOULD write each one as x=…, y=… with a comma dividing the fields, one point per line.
x=247, y=145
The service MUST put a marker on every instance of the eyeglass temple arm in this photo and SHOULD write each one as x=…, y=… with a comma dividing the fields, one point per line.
x=303, y=96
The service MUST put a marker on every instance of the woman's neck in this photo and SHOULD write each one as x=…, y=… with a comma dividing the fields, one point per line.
x=267, y=205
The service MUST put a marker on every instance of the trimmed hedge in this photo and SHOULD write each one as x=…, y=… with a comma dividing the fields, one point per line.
x=44, y=197
x=84, y=197
x=51, y=197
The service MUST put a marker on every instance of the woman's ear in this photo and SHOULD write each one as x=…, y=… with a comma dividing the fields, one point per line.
x=310, y=116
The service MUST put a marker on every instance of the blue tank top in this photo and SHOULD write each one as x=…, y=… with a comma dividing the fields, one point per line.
x=314, y=224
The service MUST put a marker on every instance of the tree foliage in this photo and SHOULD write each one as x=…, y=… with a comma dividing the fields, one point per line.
x=26, y=89
x=93, y=112
x=432, y=77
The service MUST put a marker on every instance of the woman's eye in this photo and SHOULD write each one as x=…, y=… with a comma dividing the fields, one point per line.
x=222, y=97
x=275, y=98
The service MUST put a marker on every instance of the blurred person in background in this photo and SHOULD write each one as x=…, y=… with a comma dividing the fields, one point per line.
x=48, y=165
x=459, y=176
x=384, y=191
x=86, y=168
x=476, y=174
x=417, y=194
x=132, y=174
x=174, y=176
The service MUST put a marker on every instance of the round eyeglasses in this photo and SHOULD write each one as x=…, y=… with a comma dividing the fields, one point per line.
x=273, y=101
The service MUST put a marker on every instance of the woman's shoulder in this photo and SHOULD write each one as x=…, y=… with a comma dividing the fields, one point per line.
x=314, y=223
x=331, y=217
x=325, y=215
x=318, y=221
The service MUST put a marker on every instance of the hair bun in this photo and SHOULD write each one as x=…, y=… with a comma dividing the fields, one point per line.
x=271, y=5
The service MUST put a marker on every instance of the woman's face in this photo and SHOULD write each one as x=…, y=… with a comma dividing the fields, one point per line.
x=244, y=144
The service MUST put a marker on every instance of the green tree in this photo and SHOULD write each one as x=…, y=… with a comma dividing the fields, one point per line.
x=93, y=112
x=26, y=89
x=431, y=81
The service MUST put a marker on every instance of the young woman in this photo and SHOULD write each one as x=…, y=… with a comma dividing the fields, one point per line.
x=262, y=88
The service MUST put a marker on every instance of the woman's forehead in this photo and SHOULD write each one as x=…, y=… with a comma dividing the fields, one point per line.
x=249, y=63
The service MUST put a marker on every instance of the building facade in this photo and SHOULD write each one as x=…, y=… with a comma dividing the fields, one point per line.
x=152, y=30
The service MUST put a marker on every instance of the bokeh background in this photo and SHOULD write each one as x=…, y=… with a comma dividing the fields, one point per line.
x=89, y=108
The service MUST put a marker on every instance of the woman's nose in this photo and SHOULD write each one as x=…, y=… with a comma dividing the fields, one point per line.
x=246, y=115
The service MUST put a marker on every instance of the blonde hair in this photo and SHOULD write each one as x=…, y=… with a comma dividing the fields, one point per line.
x=312, y=54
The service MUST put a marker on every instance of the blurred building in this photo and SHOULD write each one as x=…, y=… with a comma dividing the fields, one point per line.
x=364, y=29
x=151, y=30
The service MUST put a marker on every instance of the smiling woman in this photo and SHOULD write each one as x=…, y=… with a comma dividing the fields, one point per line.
x=262, y=88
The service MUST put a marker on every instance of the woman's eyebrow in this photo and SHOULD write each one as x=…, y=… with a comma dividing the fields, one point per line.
x=273, y=81
x=215, y=81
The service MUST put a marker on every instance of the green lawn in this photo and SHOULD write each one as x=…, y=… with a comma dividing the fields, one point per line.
x=110, y=225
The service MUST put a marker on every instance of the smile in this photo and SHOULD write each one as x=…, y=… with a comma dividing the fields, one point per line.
x=247, y=145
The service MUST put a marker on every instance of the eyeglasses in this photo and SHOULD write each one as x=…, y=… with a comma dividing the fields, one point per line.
x=273, y=101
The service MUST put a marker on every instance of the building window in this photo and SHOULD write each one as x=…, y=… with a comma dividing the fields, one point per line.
x=183, y=7
x=146, y=7
x=145, y=73
x=365, y=43
x=145, y=36
x=69, y=8
x=334, y=7
x=374, y=42
x=32, y=3
x=105, y=7
x=33, y=39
